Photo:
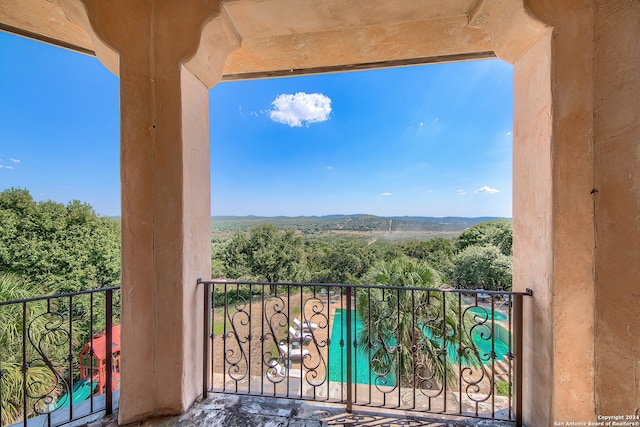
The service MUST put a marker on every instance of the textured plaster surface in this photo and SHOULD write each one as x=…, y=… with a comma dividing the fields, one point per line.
x=243, y=411
x=282, y=34
x=573, y=283
x=533, y=222
x=617, y=207
x=44, y=18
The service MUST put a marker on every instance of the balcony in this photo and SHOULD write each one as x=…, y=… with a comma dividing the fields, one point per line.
x=59, y=358
x=575, y=163
x=336, y=354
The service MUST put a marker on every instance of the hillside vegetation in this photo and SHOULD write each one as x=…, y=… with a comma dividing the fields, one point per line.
x=347, y=247
x=391, y=228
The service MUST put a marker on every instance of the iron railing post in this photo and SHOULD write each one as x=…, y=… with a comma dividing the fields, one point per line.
x=1, y=375
x=91, y=349
x=70, y=358
x=349, y=362
x=517, y=337
x=108, y=409
x=24, y=363
x=206, y=333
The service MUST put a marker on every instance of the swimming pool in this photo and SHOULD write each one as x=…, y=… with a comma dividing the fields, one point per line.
x=500, y=345
x=362, y=372
x=337, y=370
x=498, y=316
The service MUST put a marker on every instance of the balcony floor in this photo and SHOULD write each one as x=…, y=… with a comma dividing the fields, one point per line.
x=243, y=411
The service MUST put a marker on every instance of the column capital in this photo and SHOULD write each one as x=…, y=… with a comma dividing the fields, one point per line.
x=156, y=34
x=511, y=27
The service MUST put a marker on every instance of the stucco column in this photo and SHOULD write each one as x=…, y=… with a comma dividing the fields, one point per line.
x=581, y=87
x=165, y=178
x=553, y=180
x=616, y=201
x=576, y=201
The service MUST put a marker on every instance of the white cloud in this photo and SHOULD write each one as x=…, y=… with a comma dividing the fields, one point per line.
x=461, y=192
x=487, y=189
x=300, y=109
x=330, y=168
x=12, y=160
x=385, y=194
x=6, y=167
x=507, y=134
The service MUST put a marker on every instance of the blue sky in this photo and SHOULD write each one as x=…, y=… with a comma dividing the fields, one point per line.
x=428, y=141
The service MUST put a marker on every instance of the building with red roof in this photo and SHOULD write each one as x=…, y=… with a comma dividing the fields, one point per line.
x=93, y=360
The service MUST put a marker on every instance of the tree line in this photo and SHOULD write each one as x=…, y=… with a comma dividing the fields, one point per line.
x=480, y=257
x=54, y=248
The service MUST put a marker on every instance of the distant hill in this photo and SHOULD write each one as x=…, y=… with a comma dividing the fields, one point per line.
x=395, y=227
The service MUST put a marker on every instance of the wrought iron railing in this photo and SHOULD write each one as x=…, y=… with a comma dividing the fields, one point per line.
x=443, y=351
x=59, y=357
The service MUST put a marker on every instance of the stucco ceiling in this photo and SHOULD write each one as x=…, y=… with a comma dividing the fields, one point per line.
x=284, y=37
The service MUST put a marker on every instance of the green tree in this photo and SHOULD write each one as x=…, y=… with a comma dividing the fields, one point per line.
x=264, y=254
x=483, y=267
x=437, y=252
x=497, y=232
x=404, y=329
x=345, y=261
x=60, y=248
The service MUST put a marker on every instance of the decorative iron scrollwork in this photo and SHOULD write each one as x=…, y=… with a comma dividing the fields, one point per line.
x=235, y=355
x=47, y=333
x=477, y=381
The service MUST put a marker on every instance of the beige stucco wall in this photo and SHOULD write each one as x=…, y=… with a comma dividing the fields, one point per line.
x=616, y=113
x=576, y=129
x=583, y=338
x=533, y=220
x=572, y=290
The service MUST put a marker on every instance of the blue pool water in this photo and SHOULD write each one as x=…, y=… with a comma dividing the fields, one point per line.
x=362, y=373
x=482, y=312
x=338, y=355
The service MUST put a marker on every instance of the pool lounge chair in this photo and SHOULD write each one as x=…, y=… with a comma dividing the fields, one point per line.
x=303, y=337
x=277, y=372
x=323, y=293
x=482, y=296
x=289, y=353
x=305, y=325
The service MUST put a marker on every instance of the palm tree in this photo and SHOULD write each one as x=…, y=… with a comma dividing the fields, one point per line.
x=403, y=330
x=42, y=377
